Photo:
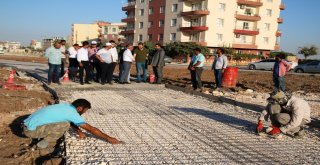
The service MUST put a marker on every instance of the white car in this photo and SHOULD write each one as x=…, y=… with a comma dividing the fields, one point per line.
x=267, y=64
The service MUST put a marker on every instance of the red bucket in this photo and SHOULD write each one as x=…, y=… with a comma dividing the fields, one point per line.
x=230, y=76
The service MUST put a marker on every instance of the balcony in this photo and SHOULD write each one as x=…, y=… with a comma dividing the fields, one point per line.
x=278, y=33
x=246, y=31
x=195, y=13
x=282, y=7
x=244, y=46
x=247, y=17
x=129, y=19
x=127, y=31
x=129, y=6
x=193, y=27
x=280, y=20
x=252, y=3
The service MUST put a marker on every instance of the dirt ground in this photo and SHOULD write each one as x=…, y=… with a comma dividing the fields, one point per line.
x=15, y=106
x=21, y=58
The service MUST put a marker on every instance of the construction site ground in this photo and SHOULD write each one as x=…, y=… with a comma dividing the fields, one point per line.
x=160, y=125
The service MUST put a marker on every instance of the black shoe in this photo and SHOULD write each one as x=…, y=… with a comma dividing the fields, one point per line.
x=110, y=83
x=103, y=83
x=82, y=83
x=138, y=81
x=59, y=83
x=88, y=82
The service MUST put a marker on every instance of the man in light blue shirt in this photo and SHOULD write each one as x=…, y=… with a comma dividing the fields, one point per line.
x=196, y=68
x=51, y=122
x=54, y=56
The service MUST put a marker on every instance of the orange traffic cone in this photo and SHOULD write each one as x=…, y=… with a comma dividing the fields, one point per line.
x=66, y=76
x=11, y=77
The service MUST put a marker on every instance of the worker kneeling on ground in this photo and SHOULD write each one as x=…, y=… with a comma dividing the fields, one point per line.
x=287, y=113
x=51, y=122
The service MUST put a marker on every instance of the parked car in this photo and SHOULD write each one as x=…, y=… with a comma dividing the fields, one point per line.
x=267, y=64
x=309, y=67
x=1, y=50
x=167, y=59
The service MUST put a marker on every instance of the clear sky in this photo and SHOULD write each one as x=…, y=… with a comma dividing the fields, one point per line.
x=24, y=20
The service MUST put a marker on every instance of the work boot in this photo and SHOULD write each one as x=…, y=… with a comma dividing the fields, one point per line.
x=299, y=134
x=42, y=144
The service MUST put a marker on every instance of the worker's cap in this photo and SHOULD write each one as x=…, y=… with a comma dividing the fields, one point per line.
x=108, y=44
x=93, y=42
x=280, y=97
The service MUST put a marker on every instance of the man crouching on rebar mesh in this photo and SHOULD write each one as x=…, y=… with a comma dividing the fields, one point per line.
x=51, y=122
x=287, y=113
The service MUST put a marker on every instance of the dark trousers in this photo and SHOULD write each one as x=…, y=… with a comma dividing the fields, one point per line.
x=86, y=67
x=114, y=65
x=218, y=77
x=54, y=70
x=125, y=73
x=157, y=70
x=63, y=63
x=279, y=83
x=106, y=72
x=73, y=68
x=196, y=77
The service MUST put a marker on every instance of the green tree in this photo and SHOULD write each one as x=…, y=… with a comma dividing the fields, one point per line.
x=150, y=46
x=184, y=48
x=286, y=54
x=308, y=51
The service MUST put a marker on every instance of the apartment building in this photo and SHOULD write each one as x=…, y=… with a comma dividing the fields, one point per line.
x=99, y=31
x=249, y=26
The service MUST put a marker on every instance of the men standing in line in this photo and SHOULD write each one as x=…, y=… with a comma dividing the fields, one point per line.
x=127, y=61
x=281, y=66
x=64, y=57
x=115, y=55
x=141, y=55
x=54, y=56
x=196, y=68
x=94, y=62
x=158, y=63
x=105, y=57
x=83, y=60
x=73, y=67
x=219, y=64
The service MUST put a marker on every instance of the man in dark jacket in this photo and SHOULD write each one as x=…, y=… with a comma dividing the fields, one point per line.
x=158, y=63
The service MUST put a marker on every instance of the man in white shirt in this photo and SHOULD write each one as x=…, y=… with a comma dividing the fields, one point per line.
x=64, y=57
x=219, y=64
x=73, y=67
x=127, y=61
x=114, y=52
x=83, y=60
x=105, y=57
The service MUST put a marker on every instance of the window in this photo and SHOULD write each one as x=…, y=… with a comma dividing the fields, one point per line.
x=160, y=37
x=222, y=7
x=141, y=1
x=220, y=22
x=243, y=39
x=267, y=26
x=114, y=30
x=141, y=25
x=141, y=12
x=248, y=11
x=266, y=40
x=150, y=24
x=245, y=25
x=161, y=23
x=219, y=37
x=149, y=37
x=269, y=12
x=151, y=11
x=174, y=7
x=174, y=22
x=162, y=9
x=173, y=37
x=140, y=37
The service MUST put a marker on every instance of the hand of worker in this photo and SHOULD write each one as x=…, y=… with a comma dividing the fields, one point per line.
x=275, y=131
x=114, y=141
x=259, y=126
x=82, y=135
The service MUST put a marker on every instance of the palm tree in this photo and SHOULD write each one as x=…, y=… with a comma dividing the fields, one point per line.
x=308, y=51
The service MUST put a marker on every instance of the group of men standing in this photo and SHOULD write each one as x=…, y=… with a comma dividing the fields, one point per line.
x=99, y=64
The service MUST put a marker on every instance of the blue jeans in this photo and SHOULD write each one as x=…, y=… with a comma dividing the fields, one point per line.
x=54, y=70
x=279, y=83
x=139, y=66
x=218, y=77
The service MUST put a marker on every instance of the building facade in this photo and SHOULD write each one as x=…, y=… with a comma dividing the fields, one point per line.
x=98, y=31
x=248, y=26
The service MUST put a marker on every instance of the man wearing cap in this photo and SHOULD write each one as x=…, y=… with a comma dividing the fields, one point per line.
x=94, y=62
x=105, y=57
x=287, y=113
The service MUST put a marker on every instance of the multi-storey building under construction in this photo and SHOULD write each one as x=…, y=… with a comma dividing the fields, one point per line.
x=249, y=26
